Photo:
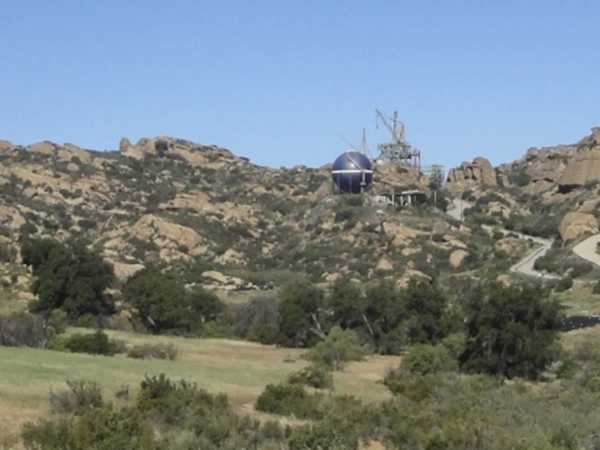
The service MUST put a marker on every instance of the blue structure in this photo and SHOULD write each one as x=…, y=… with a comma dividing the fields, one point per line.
x=352, y=172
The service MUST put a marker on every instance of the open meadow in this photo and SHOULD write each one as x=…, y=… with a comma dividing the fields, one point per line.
x=239, y=369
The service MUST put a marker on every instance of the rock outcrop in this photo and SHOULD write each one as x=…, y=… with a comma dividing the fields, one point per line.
x=468, y=175
x=457, y=258
x=574, y=224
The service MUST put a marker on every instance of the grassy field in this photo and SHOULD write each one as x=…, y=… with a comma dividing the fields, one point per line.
x=239, y=369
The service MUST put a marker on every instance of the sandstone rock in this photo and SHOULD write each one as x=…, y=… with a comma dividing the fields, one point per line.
x=411, y=274
x=124, y=145
x=478, y=173
x=401, y=235
x=596, y=135
x=584, y=167
x=25, y=295
x=509, y=245
x=503, y=278
x=500, y=209
x=384, y=264
x=407, y=251
x=575, y=224
x=6, y=146
x=230, y=256
x=222, y=279
x=125, y=271
x=44, y=147
x=457, y=258
x=453, y=242
x=165, y=233
x=331, y=277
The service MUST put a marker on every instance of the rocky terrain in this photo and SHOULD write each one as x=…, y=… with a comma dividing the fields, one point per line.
x=218, y=218
x=229, y=224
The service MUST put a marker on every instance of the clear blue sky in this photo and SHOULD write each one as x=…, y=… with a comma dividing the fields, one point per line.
x=277, y=81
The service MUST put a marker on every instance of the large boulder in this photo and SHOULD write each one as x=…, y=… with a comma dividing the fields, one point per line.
x=457, y=258
x=477, y=173
x=583, y=168
x=575, y=224
x=509, y=245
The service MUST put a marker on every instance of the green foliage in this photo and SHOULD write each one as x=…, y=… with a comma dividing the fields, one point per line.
x=314, y=376
x=511, y=331
x=68, y=277
x=153, y=351
x=338, y=349
x=385, y=314
x=299, y=314
x=425, y=359
x=172, y=400
x=97, y=343
x=23, y=330
x=322, y=437
x=345, y=303
x=163, y=305
x=103, y=428
x=429, y=317
x=289, y=399
x=596, y=289
x=257, y=320
x=81, y=396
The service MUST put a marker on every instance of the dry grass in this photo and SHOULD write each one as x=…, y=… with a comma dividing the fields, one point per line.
x=240, y=369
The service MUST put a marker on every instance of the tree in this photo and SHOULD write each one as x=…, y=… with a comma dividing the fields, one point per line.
x=299, y=314
x=338, y=349
x=345, y=303
x=162, y=303
x=68, y=277
x=511, y=331
x=385, y=317
x=427, y=307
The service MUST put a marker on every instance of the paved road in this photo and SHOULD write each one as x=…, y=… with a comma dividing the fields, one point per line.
x=526, y=265
x=586, y=249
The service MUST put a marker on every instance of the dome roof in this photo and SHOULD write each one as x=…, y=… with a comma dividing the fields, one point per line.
x=352, y=172
x=351, y=161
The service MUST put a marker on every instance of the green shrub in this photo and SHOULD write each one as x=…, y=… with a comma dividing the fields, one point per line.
x=289, y=399
x=425, y=359
x=23, y=330
x=97, y=343
x=322, y=437
x=153, y=351
x=338, y=349
x=314, y=376
x=80, y=396
x=596, y=289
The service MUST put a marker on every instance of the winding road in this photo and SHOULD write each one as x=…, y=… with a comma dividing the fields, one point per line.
x=526, y=265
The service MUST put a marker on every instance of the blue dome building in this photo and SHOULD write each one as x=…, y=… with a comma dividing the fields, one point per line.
x=352, y=172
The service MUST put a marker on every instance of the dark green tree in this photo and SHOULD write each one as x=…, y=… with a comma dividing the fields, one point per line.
x=299, y=315
x=69, y=277
x=162, y=303
x=511, y=331
x=346, y=304
x=385, y=317
x=429, y=316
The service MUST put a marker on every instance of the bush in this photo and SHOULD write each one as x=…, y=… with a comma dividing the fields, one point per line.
x=338, y=349
x=257, y=320
x=512, y=331
x=80, y=396
x=97, y=343
x=322, y=437
x=23, y=330
x=314, y=376
x=596, y=289
x=287, y=400
x=424, y=359
x=153, y=351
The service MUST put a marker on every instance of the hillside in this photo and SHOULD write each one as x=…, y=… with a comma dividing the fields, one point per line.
x=196, y=209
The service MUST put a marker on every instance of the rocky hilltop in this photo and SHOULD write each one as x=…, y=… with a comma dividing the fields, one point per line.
x=203, y=210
